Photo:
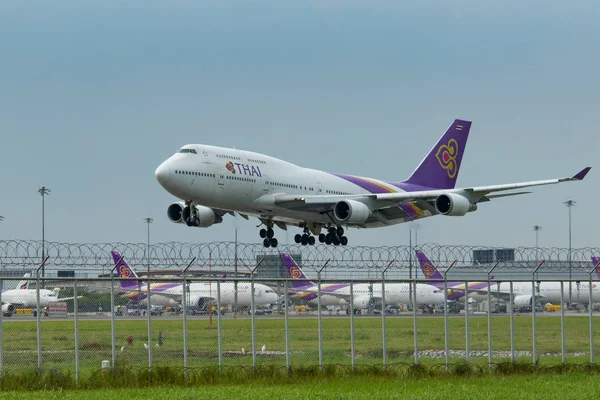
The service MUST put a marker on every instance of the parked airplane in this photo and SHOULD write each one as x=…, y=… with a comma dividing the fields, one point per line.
x=213, y=181
x=365, y=295
x=547, y=292
x=24, y=297
x=201, y=294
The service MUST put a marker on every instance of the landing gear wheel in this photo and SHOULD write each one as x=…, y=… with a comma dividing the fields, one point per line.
x=336, y=241
x=267, y=242
x=321, y=238
x=298, y=238
x=270, y=233
x=340, y=231
x=274, y=242
x=311, y=240
x=304, y=239
x=344, y=240
x=263, y=233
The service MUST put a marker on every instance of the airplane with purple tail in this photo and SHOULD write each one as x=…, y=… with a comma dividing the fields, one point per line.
x=214, y=181
x=201, y=294
x=548, y=292
x=365, y=295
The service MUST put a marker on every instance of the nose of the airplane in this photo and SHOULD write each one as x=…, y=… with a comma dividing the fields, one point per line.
x=162, y=173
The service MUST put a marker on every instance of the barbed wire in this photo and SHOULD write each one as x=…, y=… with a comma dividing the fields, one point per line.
x=226, y=255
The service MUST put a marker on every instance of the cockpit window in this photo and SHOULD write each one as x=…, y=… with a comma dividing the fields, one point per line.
x=187, y=151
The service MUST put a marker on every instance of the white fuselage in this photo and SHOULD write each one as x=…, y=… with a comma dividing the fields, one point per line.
x=27, y=298
x=165, y=294
x=252, y=179
x=395, y=293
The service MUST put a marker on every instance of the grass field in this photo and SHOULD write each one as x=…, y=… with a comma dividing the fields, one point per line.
x=541, y=386
x=19, y=341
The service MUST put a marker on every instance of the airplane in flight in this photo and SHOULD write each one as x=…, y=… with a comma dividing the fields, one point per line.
x=548, y=291
x=201, y=294
x=365, y=295
x=213, y=181
x=24, y=297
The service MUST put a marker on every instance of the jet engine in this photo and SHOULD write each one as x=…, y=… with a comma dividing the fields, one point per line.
x=351, y=211
x=453, y=204
x=201, y=302
x=525, y=301
x=180, y=213
x=8, y=309
x=362, y=302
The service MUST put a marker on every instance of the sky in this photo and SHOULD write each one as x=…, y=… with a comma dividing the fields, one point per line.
x=95, y=95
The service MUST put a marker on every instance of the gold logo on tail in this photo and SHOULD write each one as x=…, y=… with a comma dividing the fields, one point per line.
x=446, y=156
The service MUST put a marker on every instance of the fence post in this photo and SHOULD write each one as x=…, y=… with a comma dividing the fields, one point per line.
x=112, y=312
x=563, y=347
x=383, y=330
x=512, y=323
x=467, y=344
x=489, y=299
x=38, y=315
x=1, y=324
x=185, y=297
x=591, y=310
x=446, y=332
x=416, y=336
x=76, y=318
x=533, y=319
x=219, y=329
x=319, y=319
x=352, y=343
x=149, y=311
x=287, y=325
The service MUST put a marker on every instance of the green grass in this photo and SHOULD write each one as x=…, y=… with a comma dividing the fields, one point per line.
x=19, y=341
x=541, y=386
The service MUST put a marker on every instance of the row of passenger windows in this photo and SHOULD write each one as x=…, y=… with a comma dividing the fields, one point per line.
x=257, y=161
x=289, y=185
x=195, y=173
x=335, y=192
x=240, y=178
x=228, y=157
x=187, y=151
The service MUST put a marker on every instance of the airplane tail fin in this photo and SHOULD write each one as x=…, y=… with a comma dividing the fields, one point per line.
x=439, y=169
x=429, y=270
x=24, y=284
x=596, y=261
x=123, y=271
x=295, y=272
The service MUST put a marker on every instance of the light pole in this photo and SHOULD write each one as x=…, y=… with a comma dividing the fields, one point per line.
x=537, y=229
x=570, y=204
x=43, y=191
x=148, y=307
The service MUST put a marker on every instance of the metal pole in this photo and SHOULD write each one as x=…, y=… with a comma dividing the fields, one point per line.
x=253, y=320
x=113, y=341
x=1, y=319
x=410, y=288
x=533, y=312
x=219, y=329
x=416, y=336
x=43, y=191
x=489, y=315
x=287, y=326
x=563, y=347
x=185, y=297
x=320, y=322
x=352, y=352
x=38, y=315
x=467, y=347
x=235, y=266
x=512, y=323
x=570, y=204
x=383, y=327
x=76, y=317
x=446, y=329
x=591, y=311
x=149, y=305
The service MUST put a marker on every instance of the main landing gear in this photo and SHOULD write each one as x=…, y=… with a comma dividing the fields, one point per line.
x=268, y=236
x=334, y=236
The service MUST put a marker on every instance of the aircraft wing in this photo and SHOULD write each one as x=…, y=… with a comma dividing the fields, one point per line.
x=378, y=201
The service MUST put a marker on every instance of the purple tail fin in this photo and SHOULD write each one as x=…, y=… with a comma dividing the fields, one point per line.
x=429, y=269
x=596, y=261
x=123, y=271
x=295, y=272
x=440, y=167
